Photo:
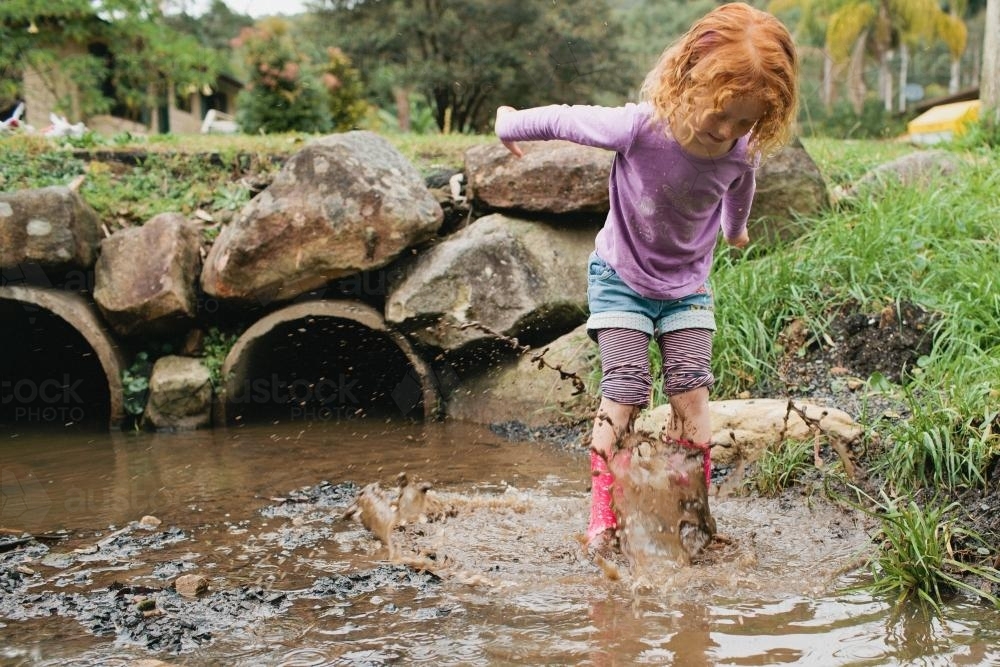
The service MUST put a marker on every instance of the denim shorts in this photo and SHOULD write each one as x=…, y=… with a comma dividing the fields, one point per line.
x=615, y=305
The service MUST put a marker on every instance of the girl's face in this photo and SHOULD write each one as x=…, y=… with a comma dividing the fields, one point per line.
x=713, y=133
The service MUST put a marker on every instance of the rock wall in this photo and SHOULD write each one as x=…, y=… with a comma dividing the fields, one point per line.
x=372, y=303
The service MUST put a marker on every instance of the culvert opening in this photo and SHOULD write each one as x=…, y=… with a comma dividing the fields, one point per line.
x=50, y=376
x=322, y=368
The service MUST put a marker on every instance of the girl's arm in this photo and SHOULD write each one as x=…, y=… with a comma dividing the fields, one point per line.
x=736, y=209
x=611, y=128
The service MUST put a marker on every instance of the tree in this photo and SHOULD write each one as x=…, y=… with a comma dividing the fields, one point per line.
x=652, y=25
x=846, y=36
x=30, y=38
x=344, y=89
x=810, y=21
x=989, y=93
x=280, y=95
x=468, y=56
x=952, y=31
x=127, y=52
x=215, y=28
x=915, y=22
x=877, y=27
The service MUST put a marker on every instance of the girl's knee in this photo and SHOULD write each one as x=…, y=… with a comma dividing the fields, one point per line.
x=627, y=386
x=692, y=380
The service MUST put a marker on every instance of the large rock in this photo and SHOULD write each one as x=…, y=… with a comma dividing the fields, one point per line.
x=511, y=276
x=180, y=394
x=345, y=203
x=918, y=169
x=744, y=428
x=552, y=177
x=789, y=186
x=52, y=228
x=157, y=293
x=529, y=391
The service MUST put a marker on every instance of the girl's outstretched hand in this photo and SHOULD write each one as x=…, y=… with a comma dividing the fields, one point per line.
x=509, y=145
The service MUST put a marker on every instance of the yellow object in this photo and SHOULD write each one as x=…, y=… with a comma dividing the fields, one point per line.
x=943, y=122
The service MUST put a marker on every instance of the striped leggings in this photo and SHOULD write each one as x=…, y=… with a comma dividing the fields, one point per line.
x=626, y=376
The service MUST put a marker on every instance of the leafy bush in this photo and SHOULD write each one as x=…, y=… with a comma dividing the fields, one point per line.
x=217, y=346
x=344, y=89
x=30, y=162
x=135, y=385
x=279, y=97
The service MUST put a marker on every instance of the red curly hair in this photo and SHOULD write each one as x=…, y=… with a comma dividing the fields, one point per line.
x=733, y=51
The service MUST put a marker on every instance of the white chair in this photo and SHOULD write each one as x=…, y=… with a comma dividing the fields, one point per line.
x=219, y=122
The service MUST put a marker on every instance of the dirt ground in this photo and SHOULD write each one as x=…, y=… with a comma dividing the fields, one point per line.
x=889, y=343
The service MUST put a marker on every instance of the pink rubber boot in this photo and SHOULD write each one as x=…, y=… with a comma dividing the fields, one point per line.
x=602, y=516
x=706, y=457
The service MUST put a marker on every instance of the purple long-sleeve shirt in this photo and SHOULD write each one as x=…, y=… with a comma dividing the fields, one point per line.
x=667, y=206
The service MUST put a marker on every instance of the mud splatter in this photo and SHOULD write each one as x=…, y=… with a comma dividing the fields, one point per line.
x=660, y=497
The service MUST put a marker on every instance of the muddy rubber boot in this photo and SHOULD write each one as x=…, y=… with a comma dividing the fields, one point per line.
x=706, y=457
x=602, y=516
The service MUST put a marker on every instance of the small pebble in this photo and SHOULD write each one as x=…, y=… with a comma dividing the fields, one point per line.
x=191, y=585
x=149, y=522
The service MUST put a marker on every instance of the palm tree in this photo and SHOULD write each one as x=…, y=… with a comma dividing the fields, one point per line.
x=989, y=93
x=952, y=31
x=915, y=21
x=847, y=35
x=811, y=18
x=858, y=27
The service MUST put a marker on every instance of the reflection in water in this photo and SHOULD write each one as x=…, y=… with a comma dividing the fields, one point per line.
x=258, y=511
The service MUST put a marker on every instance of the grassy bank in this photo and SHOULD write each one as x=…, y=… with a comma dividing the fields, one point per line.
x=937, y=246
x=127, y=179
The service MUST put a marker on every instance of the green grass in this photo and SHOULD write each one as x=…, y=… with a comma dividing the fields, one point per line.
x=936, y=247
x=182, y=173
x=437, y=151
x=425, y=151
x=780, y=466
x=843, y=161
x=940, y=447
x=917, y=561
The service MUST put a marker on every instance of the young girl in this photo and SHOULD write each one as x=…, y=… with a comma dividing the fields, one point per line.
x=719, y=99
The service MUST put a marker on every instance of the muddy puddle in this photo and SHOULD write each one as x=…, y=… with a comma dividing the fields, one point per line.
x=240, y=547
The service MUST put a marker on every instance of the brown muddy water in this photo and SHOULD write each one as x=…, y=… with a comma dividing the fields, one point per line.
x=499, y=578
